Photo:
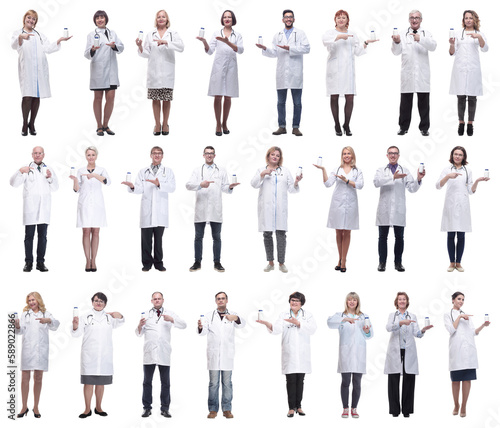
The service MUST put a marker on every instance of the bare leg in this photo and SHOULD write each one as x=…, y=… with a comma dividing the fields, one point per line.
x=225, y=115
x=338, y=233
x=99, y=392
x=25, y=388
x=98, y=107
x=86, y=246
x=156, y=114
x=87, y=395
x=217, y=110
x=455, y=389
x=334, y=106
x=37, y=389
x=94, y=245
x=166, y=114
x=35, y=105
x=466, y=384
x=108, y=107
x=346, y=241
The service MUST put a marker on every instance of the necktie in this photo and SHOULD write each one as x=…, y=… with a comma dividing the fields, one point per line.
x=158, y=312
x=415, y=31
x=39, y=169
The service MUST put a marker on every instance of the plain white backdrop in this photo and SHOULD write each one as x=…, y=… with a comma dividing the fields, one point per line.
x=66, y=126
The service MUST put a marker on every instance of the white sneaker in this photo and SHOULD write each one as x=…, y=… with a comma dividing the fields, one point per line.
x=450, y=268
x=283, y=268
x=269, y=268
x=459, y=268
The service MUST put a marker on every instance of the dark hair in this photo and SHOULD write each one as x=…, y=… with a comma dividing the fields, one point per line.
x=456, y=294
x=340, y=13
x=297, y=295
x=288, y=11
x=402, y=293
x=464, y=160
x=393, y=147
x=157, y=292
x=221, y=292
x=156, y=148
x=101, y=13
x=233, y=17
x=209, y=148
x=101, y=296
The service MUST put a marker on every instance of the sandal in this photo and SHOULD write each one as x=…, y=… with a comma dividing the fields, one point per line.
x=100, y=132
x=108, y=131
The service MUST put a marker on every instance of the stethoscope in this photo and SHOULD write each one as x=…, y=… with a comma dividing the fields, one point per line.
x=463, y=32
x=411, y=31
x=34, y=31
x=290, y=325
x=106, y=32
x=214, y=165
x=357, y=172
x=407, y=317
x=155, y=312
x=148, y=171
x=36, y=167
x=466, y=173
x=399, y=168
x=156, y=32
x=91, y=316
x=281, y=34
x=275, y=172
x=216, y=311
x=27, y=317
x=221, y=34
x=460, y=312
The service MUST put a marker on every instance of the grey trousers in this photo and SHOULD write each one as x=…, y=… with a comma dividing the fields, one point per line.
x=280, y=242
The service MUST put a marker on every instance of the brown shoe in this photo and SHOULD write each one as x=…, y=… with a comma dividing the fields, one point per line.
x=280, y=131
x=227, y=414
x=296, y=131
x=212, y=415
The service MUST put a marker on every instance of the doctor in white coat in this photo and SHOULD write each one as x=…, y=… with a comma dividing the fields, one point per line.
x=456, y=220
x=466, y=78
x=289, y=46
x=208, y=182
x=33, y=67
x=414, y=45
x=39, y=181
x=159, y=48
x=344, y=214
x=156, y=326
x=97, y=350
x=401, y=358
x=463, y=353
x=219, y=326
x=393, y=180
x=226, y=43
x=154, y=183
x=342, y=45
x=296, y=327
x=354, y=330
x=103, y=69
x=274, y=183
x=34, y=325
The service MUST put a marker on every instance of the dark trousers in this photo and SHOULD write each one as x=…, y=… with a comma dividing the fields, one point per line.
x=295, y=389
x=199, y=233
x=297, y=107
x=456, y=253
x=147, y=386
x=29, y=236
x=408, y=391
x=406, y=106
x=461, y=107
x=148, y=235
x=356, y=389
x=399, y=234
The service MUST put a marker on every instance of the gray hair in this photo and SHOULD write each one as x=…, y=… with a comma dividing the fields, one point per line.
x=416, y=11
x=93, y=148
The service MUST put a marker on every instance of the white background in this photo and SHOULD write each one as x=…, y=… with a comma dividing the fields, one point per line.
x=66, y=127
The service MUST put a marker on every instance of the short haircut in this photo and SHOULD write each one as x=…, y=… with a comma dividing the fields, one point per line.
x=475, y=17
x=209, y=148
x=221, y=292
x=93, y=148
x=156, y=148
x=101, y=296
x=168, y=19
x=233, y=17
x=393, y=147
x=32, y=13
x=343, y=12
x=157, y=292
x=273, y=149
x=456, y=294
x=101, y=13
x=288, y=11
x=297, y=295
x=352, y=295
x=402, y=293
x=464, y=160
x=416, y=11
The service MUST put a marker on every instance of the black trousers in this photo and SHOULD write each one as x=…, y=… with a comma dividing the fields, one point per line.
x=147, y=386
x=295, y=389
x=408, y=394
x=405, y=109
x=148, y=235
x=29, y=236
x=399, y=245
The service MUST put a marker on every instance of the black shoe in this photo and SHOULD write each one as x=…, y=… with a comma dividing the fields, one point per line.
x=108, y=131
x=100, y=413
x=37, y=415
x=146, y=269
x=166, y=413
x=406, y=416
x=161, y=268
x=32, y=129
x=100, y=133
x=338, y=131
x=146, y=413
x=347, y=131
x=20, y=415
x=218, y=267
x=461, y=129
x=399, y=267
x=218, y=133
x=41, y=267
x=402, y=131
x=290, y=415
x=425, y=133
x=85, y=415
x=195, y=267
x=341, y=270
x=225, y=131
x=24, y=133
x=338, y=266
x=470, y=129
x=300, y=413
x=381, y=267
x=28, y=267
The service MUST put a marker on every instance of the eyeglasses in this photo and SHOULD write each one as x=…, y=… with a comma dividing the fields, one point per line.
x=415, y=18
x=294, y=301
x=38, y=153
x=209, y=154
x=287, y=17
x=157, y=153
x=99, y=301
x=393, y=153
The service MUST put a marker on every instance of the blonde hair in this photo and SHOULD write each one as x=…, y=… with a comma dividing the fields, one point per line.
x=93, y=148
x=274, y=149
x=352, y=295
x=350, y=149
x=38, y=298
x=475, y=17
x=32, y=13
x=156, y=17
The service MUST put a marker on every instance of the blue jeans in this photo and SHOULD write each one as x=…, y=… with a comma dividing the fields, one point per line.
x=199, y=229
x=456, y=252
x=213, y=390
x=297, y=107
x=147, y=386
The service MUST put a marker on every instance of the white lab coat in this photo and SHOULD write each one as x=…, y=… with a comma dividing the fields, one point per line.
x=391, y=210
x=103, y=65
x=161, y=59
x=35, y=353
x=157, y=334
x=273, y=198
x=91, y=211
x=290, y=62
x=340, y=71
x=463, y=352
x=393, y=362
x=344, y=212
x=37, y=191
x=415, y=70
x=466, y=78
x=295, y=342
x=352, y=342
x=220, y=340
x=224, y=76
x=208, y=206
x=154, y=202
x=97, y=344
x=33, y=67
x=456, y=210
